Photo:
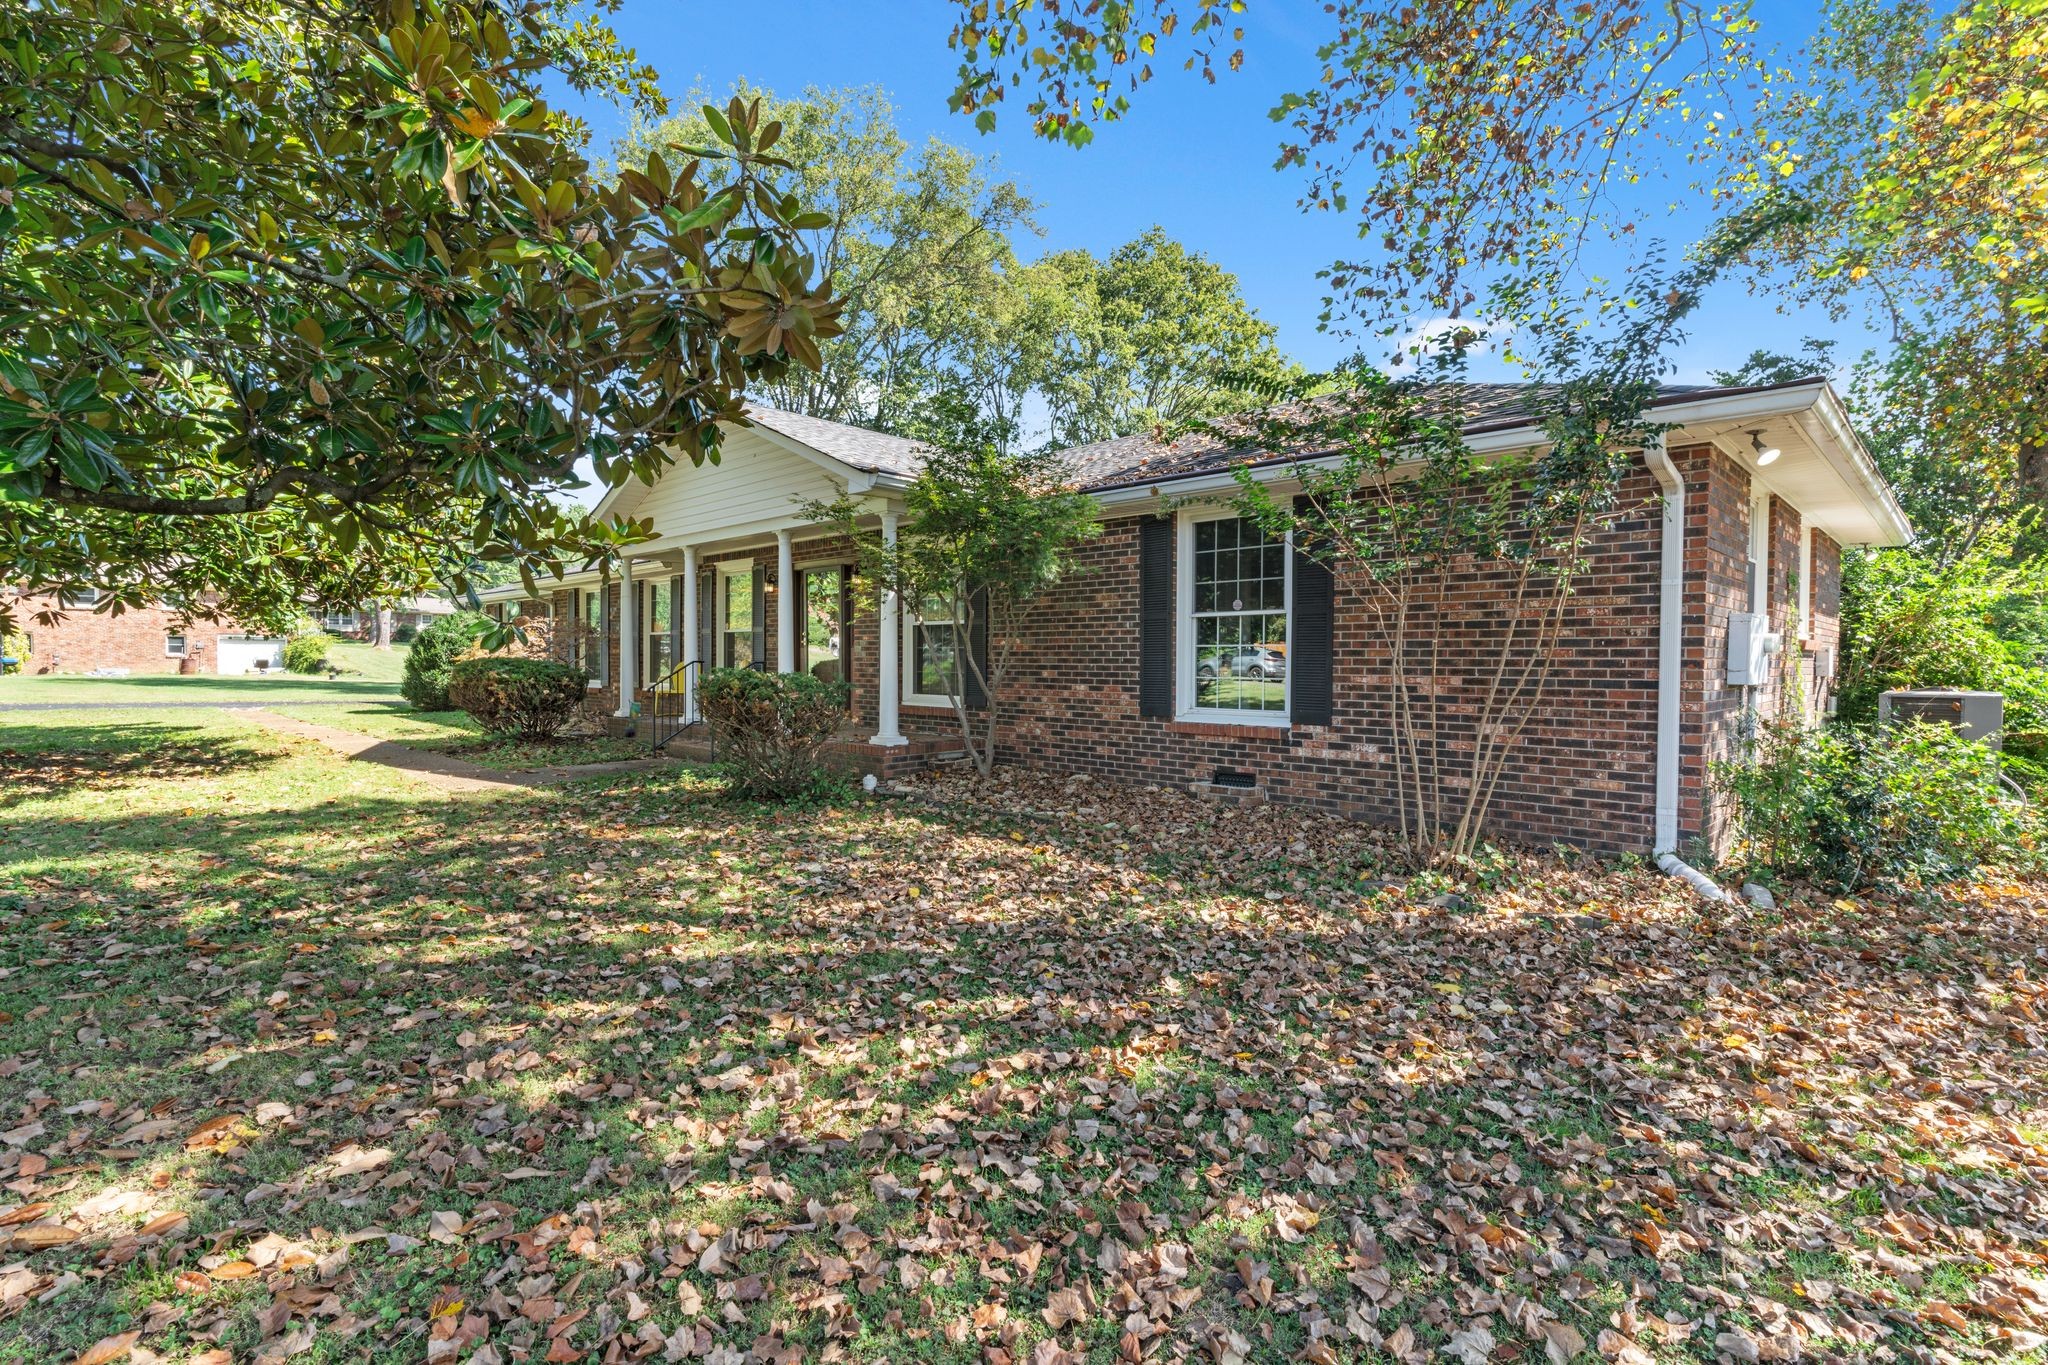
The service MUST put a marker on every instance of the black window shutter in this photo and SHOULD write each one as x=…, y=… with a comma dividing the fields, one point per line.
x=761, y=622
x=846, y=625
x=1155, y=618
x=971, y=690
x=1308, y=642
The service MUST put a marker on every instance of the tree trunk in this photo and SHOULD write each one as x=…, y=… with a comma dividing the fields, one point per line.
x=380, y=633
x=2034, y=470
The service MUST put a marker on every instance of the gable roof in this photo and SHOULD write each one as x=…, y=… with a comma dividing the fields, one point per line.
x=870, y=451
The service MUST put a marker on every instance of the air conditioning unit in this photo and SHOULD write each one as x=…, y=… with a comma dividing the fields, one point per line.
x=1752, y=644
x=1975, y=715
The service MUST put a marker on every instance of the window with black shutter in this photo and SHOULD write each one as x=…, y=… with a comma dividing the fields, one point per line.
x=1155, y=618
x=1315, y=589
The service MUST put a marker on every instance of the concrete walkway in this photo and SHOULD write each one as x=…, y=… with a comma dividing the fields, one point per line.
x=438, y=770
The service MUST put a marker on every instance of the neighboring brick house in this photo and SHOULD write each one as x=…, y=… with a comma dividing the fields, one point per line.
x=1138, y=668
x=407, y=618
x=80, y=636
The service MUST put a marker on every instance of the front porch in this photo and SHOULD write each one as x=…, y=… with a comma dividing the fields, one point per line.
x=852, y=751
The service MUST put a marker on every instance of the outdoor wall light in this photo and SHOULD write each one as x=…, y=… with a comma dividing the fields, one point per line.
x=1764, y=454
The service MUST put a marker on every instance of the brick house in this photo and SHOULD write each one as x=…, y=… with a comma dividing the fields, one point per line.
x=408, y=616
x=79, y=637
x=1711, y=599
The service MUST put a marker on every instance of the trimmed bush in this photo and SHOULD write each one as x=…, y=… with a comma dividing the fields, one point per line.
x=307, y=653
x=434, y=651
x=530, y=698
x=771, y=726
x=1893, y=806
x=402, y=635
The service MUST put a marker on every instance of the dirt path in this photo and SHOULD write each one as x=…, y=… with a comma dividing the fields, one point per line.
x=438, y=770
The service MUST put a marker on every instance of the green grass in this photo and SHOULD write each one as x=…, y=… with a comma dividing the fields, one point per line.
x=455, y=734
x=366, y=663
x=369, y=675
x=199, y=689
x=975, y=1052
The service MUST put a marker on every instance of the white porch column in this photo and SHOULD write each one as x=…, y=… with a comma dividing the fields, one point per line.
x=690, y=634
x=786, y=604
x=888, y=687
x=629, y=639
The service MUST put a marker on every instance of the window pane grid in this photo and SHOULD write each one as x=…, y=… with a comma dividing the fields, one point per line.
x=1240, y=617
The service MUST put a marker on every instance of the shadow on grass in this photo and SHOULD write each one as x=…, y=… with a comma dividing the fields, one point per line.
x=647, y=1010
x=64, y=756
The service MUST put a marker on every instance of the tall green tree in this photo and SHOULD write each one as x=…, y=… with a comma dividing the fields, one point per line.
x=1476, y=141
x=984, y=536
x=323, y=301
x=916, y=239
x=1154, y=334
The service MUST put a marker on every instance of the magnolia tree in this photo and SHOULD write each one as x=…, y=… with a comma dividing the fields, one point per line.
x=983, y=535
x=323, y=302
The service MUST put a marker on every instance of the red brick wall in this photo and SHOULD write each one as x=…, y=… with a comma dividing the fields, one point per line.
x=1583, y=771
x=85, y=640
x=1716, y=587
x=1718, y=720
x=1825, y=633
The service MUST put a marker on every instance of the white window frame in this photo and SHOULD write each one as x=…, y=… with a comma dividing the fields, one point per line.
x=579, y=610
x=341, y=620
x=720, y=626
x=912, y=622
x=647, y=588
x=184, y=645
x=1185, y=708
x=78, y=599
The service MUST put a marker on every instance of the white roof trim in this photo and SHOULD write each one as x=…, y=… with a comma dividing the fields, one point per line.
x=1824, y=421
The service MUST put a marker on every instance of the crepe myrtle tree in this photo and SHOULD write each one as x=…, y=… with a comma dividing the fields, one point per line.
x=322, y=301
x=982, y=536
x=1405, y=512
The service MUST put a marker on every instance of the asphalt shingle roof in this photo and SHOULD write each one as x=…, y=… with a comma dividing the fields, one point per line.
x=1143, y=458
x=857, y=446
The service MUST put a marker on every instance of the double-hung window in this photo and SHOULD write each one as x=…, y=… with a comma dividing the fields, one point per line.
x=174, y=646
x=931, y=657
x=654, y=658
x=587, y=633
x=1234, y=586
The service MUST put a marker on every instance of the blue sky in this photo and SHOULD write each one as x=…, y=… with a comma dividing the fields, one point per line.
x=1192, y=157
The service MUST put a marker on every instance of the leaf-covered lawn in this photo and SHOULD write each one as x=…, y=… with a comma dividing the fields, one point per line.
x=294, y=1063
x=453, y=733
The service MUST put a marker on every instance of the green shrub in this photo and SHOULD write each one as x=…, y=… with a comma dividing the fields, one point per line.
x=530, y=698
x=1898, y=805
x=1918, y=618
x=402, y=635
x=307, y=653
x=771, y=726
x=434, y=651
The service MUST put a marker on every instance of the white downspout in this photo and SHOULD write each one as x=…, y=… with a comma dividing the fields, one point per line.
x=1670, y=662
